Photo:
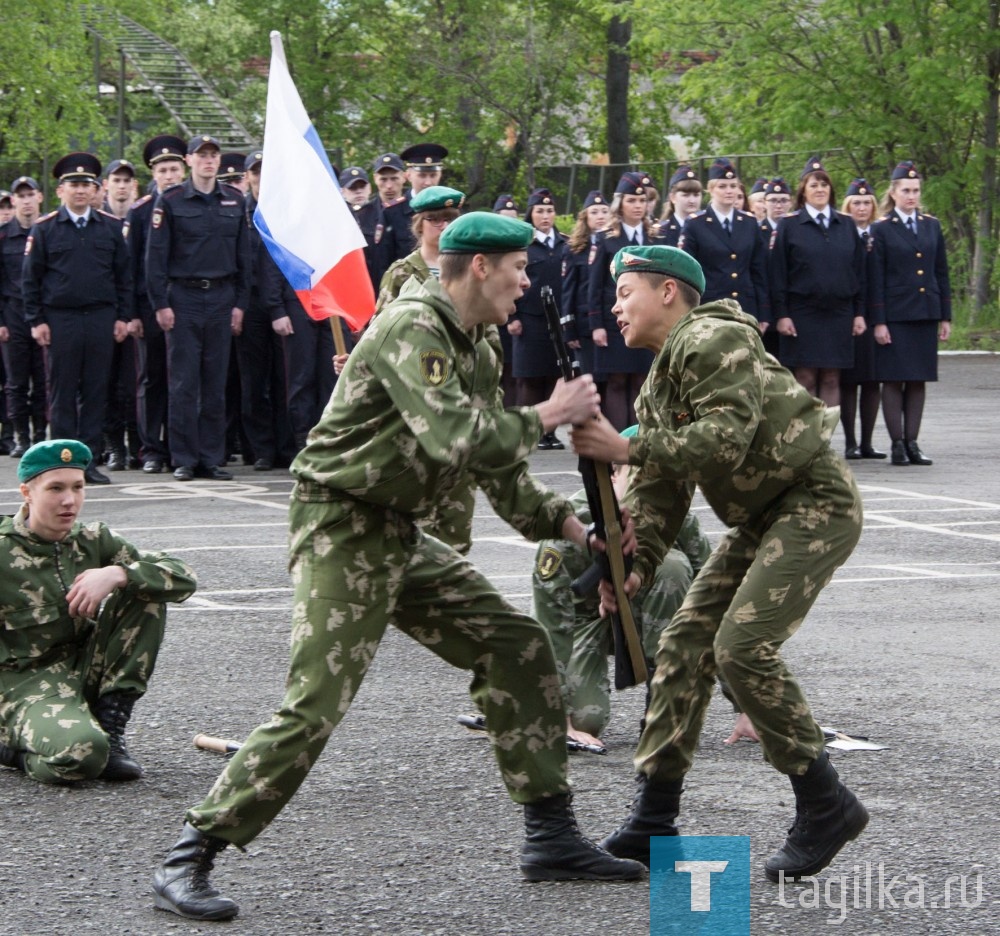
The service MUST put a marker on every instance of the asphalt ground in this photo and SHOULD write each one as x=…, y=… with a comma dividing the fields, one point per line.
x=403, y=827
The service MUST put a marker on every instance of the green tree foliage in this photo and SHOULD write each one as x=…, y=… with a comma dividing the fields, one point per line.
x=47, y=94
x=865, y=85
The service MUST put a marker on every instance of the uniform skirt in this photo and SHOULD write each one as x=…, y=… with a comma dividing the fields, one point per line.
x=823, y=338
x=912, y=354
x=864, y=360
x=532, y=352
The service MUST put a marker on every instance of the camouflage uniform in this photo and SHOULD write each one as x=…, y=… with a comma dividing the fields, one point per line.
x=414, y=417
x=53, y=667
x=450, y=519
x=580, y=637
x=718, y=412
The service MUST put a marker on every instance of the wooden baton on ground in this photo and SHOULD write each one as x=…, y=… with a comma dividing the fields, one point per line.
x=219, y=745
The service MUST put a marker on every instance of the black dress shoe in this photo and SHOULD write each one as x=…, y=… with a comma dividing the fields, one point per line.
x=263, y=464
x=544, y=442
x=152, y=466
x=868, y=452
x=183, y=473
x=19, y=449
x=116, y=461
x=555, y=442
x=213, y=473
x=853, y=452
x=94, y=476
x=916, y=456
x=899, y=456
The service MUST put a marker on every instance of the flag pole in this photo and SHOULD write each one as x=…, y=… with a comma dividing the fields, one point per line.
x=338, y=335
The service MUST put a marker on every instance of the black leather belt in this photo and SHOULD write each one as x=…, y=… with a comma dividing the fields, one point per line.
x=203, y=283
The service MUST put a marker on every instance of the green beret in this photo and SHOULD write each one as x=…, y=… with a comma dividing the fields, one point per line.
x=56, y=453
x=668, y=261
x=437, y=197
x=485, y=232
x=630, y=433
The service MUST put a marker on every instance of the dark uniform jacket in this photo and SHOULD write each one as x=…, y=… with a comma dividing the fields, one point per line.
x=669, y=231
x=616, y=358
x=534, y=355
x=398, y=235
x=266, y=294
x=68, y=268
x=13, y=238
x=575, y=286
x=908, y=275
x=734, y=265
x=371, y=219
x=137, y=233
x=192, y=236
x=816, y=269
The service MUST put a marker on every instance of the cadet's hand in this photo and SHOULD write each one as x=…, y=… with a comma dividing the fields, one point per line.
x=41, y=334
x=598, y=439
x=165, y=318
x=515, y=327
x=4, y=333
x=882, y=335
x=135, y=328
x=606, y=590
x=237, y=321
x=573, y=402
x=860, y=326
x=763, y=326
x=573, y=344
x=600, y=337
x=786, y=326
x=339, y=363
x=742, y=729
x=581, y=737
x=121, y=331
x=944, y=332
x=90, y=588
x=283, y=326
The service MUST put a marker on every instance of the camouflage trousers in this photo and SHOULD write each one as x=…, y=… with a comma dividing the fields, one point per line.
x=356, y=569
x=750, y=597
x=45, y=711
x=582, y=649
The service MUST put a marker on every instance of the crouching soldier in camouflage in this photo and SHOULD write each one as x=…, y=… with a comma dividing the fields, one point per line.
x=414, y=413
x=71, y=672
x=718, y=412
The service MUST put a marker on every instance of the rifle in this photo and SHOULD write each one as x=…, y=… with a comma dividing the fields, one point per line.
x=612, y=564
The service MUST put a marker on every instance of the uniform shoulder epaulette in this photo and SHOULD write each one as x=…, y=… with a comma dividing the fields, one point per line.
x=228, y=189
x=699, y=214
x=886, y=217
x=747, y=214
x=109, y=215
x=926, y=214
x=142, y=201
x=792, y=214
x=173, y=191
x=48, y=217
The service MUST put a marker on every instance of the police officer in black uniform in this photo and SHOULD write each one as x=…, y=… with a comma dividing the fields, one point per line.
x=24, y=360
x=728, y=245
x=424, y=165
x=198, y=276
x=164, y=155
x=77, y=287
x=683, y=200
x=576, y=279
x=535, y=366
x=397, y=216
x=259, y=346
x=356, y=188
x=505, y=205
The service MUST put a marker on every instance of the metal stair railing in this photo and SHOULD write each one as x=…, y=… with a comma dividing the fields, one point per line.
x=192, y=102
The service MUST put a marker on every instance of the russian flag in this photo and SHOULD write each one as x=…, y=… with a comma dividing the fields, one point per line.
x=304, y=220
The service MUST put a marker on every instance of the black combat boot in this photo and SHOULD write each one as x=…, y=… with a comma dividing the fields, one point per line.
x=22, y=438
x=11, y=757
x=555, y=849
x=827, y=817
x=654, y=810
x=181, y=883
x=112, y=713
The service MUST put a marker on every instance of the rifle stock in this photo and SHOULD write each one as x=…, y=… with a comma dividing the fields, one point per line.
x=613, y=565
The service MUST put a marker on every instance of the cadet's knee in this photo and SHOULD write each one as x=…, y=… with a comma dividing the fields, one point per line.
x=83, y=757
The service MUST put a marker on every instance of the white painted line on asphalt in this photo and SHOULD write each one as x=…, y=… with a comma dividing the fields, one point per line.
x=929, y=528
x=920, y=495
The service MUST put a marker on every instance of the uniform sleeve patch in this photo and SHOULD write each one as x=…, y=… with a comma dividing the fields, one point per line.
x=434, y=367
x=548, y=563
x=157, y=219
x=28, y=243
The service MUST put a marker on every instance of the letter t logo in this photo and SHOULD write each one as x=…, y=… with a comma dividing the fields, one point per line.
x=701, y=880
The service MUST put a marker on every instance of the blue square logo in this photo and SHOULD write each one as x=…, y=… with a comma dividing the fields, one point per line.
x=699, y=885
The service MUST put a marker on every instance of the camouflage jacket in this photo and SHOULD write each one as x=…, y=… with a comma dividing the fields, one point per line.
x=35, y=625
x=718, y=412
x=392, y=281
x=416, y=418
x=559, y=562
